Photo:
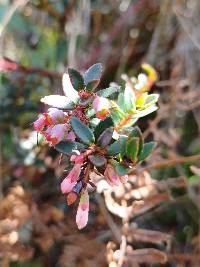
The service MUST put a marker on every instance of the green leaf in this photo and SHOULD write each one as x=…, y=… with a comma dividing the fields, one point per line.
x=102, y=126
x=132, y=148
x=76, y=79
x=121, y=169
x=108, y=91
x=136, y=132
x=97, y=160
x=106, y=137
x=147, y=111
x=151, y=99
x=82, y=131
x=58, y=101
x=118, y=147
x=66, y=147
x=121, y=102
x=146, y=151
x=92, y=76
x=129, y=99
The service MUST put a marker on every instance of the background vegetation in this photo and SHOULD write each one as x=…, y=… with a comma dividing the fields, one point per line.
x=39, y=39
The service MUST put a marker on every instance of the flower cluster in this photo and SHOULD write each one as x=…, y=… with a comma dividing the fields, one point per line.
x=97, y=133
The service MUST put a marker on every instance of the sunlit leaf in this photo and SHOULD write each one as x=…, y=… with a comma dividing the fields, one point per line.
x=58, y=101
x=92, y=76
x=68, y=89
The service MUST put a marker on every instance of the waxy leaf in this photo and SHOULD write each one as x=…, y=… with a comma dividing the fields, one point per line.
x=106, y=137
x=118, y=147
x=108, y=91
x=68, y=89
x=129, y=99
x=132, y=148
x=92, y=76
x=121, y=169
x=146, y=151
x=146, y=111
x=66, y=147
x=58, y=101
x=76, y=79
x=97, y=160
x=102, y=126
x=150, y=100
x=82, y=131
x=136, y=132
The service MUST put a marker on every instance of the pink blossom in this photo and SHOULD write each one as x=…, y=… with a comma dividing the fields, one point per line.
x=57, y=133
x=101, y=106
x=111, y=175
x=71, y=136
x=55, y=116
x=69, y=182
x=39, y=123
x=78, y=159
x=83, y=210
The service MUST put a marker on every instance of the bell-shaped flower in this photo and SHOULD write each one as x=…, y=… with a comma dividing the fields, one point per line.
x=55, y=116
x=101, y=106
x=39, y=123
x=69, y=182
x=57, y=133
x=111, y=175
x=83, y=210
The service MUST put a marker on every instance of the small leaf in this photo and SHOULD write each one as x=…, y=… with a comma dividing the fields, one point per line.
x=121, y=170
x=66, y=147
x=97, y=160
x=150, y=100
x=92, y=76
x=136, y=132
x=102, y=126
x=118, y=147
x=106, y=137
x=76, y=79
x=147, y=111
x=58, y=101
x=121, y=102
x=129, y=99
x=146, y=151
x=68, y=89
x=132, y=148
x=82, y=131
x=108, y=91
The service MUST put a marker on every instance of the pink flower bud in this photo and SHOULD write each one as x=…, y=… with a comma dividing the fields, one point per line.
x=111, y=175
x=39, y=123
x=57, y=133
x=55, y=116
x=71, y=136
x=71, y=198
x=83, y=210
x=101, y=106
x=69, y=182
x=78, y=159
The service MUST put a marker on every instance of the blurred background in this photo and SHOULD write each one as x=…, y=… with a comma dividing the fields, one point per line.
x=39, y=39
